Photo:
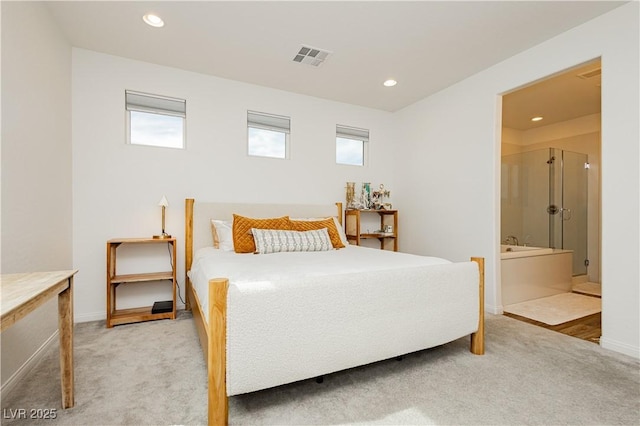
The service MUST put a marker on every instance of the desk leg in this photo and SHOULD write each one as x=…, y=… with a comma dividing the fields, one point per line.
x=65, y=327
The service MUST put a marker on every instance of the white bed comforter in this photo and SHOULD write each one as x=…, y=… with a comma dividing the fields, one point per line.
x=292, y=316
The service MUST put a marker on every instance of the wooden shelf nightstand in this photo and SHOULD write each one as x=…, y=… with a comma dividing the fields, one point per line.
x=387, y=218
x=125, y=316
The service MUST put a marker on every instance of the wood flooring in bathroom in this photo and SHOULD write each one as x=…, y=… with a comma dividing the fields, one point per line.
x=587, y=328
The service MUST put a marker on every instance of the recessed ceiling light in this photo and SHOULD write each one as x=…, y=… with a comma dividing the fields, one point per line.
x=538, y=118
x=390, y=83
x=153, y=20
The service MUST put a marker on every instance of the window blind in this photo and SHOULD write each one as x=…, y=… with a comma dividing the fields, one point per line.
x=272, y=122
x=143, y=102
x=352, y=133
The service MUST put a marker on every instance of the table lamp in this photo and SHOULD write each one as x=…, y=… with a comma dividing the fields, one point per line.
x=164, y=204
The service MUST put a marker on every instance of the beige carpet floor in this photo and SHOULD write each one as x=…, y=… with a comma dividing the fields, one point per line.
x=557, y=309
x=153, y=374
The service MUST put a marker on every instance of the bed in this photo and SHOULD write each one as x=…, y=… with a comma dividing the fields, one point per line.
x=268, y=319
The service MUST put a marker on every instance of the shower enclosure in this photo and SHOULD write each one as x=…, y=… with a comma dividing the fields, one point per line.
x=544, y=201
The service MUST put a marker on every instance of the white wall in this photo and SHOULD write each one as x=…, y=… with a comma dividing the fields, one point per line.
x=36, y=166
x=116, y=187
x=449, y=186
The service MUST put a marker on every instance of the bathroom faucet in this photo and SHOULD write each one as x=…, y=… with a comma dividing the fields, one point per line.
x=511, y=238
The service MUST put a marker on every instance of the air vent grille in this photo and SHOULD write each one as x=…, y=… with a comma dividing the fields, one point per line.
x=590, y=74
x=311, y=56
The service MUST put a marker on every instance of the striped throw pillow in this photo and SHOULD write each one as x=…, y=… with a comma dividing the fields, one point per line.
x=276, y=241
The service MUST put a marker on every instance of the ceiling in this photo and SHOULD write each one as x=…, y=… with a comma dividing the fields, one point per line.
x=425, y=45
x=571, y=94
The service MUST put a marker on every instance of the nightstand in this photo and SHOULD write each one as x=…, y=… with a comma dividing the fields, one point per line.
x=388, y=218
x=125, y=316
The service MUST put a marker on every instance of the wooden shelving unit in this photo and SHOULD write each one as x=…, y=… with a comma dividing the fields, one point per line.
x=352, y=222
x=125, y=316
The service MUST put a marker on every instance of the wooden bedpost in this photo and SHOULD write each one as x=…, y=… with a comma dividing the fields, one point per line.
x=217, y=353
x=477, y=338
x=188, y=247
x=339, y=208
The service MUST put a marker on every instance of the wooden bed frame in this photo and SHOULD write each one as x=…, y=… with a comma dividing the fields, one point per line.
x=213, y=337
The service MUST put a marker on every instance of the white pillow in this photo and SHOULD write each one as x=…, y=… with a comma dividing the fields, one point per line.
x=222, y=232
x=343, y=236
x=276, y=240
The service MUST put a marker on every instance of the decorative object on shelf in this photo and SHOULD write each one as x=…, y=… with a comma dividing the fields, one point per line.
x=378, y=198
x=365, y=195
x=164, y=204
x=351, y=195
x=375, y=200
x=360, y=196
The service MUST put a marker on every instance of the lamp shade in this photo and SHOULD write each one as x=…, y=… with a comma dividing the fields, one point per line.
x=163, y=202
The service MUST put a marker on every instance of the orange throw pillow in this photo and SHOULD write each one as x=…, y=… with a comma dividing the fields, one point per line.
x=310, y=225
x=242, y=238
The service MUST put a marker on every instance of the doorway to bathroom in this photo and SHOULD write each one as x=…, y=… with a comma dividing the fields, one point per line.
x=550, y=202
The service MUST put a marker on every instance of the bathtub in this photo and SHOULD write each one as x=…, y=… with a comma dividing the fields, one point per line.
x=533, y=272
x=509, y=251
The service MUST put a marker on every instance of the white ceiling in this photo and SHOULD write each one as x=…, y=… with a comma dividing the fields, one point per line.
x=561, y=97
x=425, y=45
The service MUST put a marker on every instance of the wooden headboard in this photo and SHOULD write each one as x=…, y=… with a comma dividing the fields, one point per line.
x=198, y=218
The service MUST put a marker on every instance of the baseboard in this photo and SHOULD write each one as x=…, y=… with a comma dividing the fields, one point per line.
x=621, y=347
x=91, y=316
x=496, y=310
x=27, y=366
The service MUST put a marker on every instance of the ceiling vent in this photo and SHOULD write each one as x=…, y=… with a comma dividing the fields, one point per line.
x=590, y=74
x=311, y=56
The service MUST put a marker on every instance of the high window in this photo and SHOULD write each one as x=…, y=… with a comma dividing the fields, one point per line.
x=268, y=135
x=154, y=120
x=351, y=145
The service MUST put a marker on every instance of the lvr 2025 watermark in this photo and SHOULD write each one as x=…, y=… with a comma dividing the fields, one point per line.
x=30, y=413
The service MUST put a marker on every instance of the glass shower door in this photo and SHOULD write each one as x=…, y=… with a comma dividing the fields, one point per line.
x=568, y=205
x=574, y=208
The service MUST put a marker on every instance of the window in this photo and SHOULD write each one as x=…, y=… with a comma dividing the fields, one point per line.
x=351, y=145
x=268, y=135
x=155, y=120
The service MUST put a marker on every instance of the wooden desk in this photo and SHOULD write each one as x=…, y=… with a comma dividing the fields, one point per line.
x=22, y=293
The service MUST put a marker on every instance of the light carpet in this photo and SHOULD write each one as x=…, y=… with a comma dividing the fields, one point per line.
x=153, y=374
x=557, y=309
